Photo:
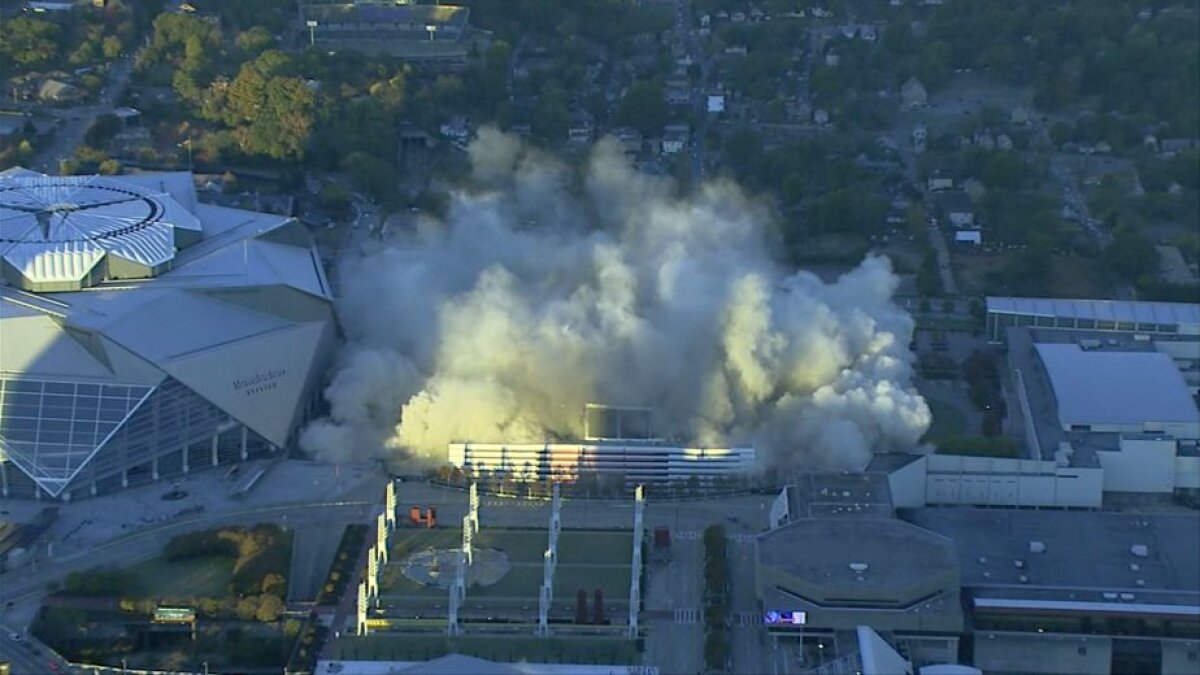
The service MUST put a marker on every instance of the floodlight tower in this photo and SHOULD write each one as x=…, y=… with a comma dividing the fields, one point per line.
x=473, y=507
x=468, y=539
x=458, y=592
x=360, y=616
x=635, y=579
x=546, y=592
x=555, y=517
x=372, y=575
x=389, y=500
x=549, y=560
x=381, y=537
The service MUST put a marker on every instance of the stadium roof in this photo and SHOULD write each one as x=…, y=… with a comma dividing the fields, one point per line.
x=388, y=14
x=57, y=230
x=1116, y=387
x=244, y=307
x=1131, y=311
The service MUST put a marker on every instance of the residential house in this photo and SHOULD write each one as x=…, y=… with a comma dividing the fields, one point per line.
x=919, y=137
x=51, y=6
x=736, y=50
x=956, y=209
x=456, y=129
x=832, y=59
x=821, y=116
x=939, y=183
x=675, y=138
x=968, y=237
x=716, y=103
x=1004, y=142
x=677, y=94
x=629, y=139
x=1169, y=147
x=579, y=132
x=57, y=91
x=913, y=94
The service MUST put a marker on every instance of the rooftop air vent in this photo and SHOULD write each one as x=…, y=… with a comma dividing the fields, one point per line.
x=1139, y=550
x=1037, y=547
x=858, y=567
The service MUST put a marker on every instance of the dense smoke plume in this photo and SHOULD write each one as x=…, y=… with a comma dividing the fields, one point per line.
x=545, y=288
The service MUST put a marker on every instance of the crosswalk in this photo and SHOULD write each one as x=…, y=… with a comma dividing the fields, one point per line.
x=689, y=615
x=747, y=619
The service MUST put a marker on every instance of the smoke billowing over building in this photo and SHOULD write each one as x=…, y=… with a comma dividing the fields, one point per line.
x=545, y=287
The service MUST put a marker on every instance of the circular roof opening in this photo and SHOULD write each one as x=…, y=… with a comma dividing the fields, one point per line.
x=55, y=231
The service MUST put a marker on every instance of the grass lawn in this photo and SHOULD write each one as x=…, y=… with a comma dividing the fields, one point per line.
x=587, y=559
x=948, y=421
x=422, y=647
x=200, y=577
x=614, y=581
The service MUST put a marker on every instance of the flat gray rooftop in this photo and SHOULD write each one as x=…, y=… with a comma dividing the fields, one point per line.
x=819, y=551
x=1086, y=553
x=840, y=495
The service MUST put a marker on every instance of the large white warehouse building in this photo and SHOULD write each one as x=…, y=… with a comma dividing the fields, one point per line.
x=144, y=334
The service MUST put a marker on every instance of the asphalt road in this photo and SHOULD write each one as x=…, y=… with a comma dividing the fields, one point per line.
x=674, y=609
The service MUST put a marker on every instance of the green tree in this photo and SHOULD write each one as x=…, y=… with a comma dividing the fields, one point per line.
x=1003, y=170
x=551, y=117
x=270, y=607
x=255, y=41
x=102, y=130
x=1130, y=255
x=29, y=42
x=644, y=108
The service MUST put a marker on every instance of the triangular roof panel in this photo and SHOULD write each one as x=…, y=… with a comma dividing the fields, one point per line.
x=258, y=381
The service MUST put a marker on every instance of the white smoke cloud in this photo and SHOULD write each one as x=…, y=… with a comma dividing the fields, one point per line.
x=545, y=288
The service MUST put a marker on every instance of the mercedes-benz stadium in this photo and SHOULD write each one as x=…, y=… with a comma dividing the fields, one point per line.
x=144, y=335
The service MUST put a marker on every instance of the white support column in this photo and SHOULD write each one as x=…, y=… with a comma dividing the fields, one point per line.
x=245, y=442
x=372, y=575
x=555, y=516
x=360, y=610
x=389, y=503
x=186, y=451
x=468, y=540
x=473, y=507
x=546, y=593
x=635, y=579
x=154, y=469
x=215, y=442
x=381, y=538
x=4, y=481
x=549, y=562
x=458, y=592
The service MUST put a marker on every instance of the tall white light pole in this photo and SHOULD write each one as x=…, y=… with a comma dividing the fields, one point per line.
x=312, y=32
x=635, y=579
x=389, y=501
